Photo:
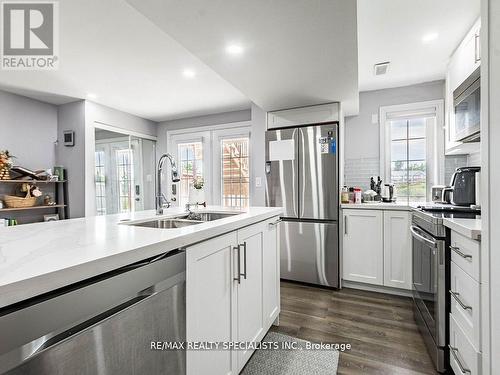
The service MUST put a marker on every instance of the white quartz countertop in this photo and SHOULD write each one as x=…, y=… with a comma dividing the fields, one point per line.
x=380, y=206
x=470, y=228
x=41, y=257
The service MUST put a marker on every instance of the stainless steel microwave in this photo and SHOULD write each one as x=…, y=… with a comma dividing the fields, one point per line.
x=467, y=103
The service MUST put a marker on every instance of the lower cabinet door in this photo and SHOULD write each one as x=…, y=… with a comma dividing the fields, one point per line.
x=271, y=272
x=397, y=249
x=250, y=317
x=363, y=251
x=210, y=303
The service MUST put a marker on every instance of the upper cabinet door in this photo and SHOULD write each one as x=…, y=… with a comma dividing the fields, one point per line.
x=316, y=114
x=281, y=170
x=318, y=172
x=363, y=243
x=397, y=249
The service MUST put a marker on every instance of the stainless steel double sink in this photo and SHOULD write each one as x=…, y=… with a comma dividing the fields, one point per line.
x=183, y=220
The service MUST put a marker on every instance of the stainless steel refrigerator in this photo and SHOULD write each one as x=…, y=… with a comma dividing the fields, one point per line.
x=302, y=177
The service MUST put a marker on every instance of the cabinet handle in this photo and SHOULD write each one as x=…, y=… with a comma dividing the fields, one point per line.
x=457, y=250
x=244, y=259
x=456, y=295
x=345, y=224
x=275, y=223
x=454, y=353
x=238, y=278
x=477, y=55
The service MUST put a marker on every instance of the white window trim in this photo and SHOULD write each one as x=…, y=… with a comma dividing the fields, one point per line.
x=435, y=107
x=210, y=135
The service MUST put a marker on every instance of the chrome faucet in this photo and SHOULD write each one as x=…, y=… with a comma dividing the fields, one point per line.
x=161, y=201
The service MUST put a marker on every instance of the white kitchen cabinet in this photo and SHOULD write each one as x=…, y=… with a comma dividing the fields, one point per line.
x=464, y=61
x=250, y=320
x=211, y=304
x=397, y=249
x=315, y=114
x=271, y=275
x=363, y=246
x=232, y=294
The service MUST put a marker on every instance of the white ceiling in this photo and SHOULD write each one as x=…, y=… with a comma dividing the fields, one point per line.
x=392, y=30
x=109, y=49
x=296, y=53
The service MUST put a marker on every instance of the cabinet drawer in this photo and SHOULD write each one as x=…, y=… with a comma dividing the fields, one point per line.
x=464, y=300
x=464, y=359
x=465, y=253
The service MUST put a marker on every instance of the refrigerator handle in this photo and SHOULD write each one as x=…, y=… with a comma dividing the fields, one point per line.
x=345, y=224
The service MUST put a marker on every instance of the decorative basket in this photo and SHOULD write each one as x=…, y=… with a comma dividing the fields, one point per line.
x=12, y=201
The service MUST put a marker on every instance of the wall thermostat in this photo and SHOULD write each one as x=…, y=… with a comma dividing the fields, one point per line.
x=69, y=138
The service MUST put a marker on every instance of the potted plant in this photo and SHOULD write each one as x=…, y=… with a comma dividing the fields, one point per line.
x=197, y=193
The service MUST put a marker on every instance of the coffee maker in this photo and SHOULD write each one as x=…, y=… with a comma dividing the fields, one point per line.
x=462, y=189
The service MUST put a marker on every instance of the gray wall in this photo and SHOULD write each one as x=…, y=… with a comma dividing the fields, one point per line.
x=362, y=137
x=72, y=117
x=28, y=129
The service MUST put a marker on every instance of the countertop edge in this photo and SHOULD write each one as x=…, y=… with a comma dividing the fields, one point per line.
x=34, y=286
x=467, y=231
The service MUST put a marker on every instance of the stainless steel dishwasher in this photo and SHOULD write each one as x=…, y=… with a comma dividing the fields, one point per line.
x=104, y=325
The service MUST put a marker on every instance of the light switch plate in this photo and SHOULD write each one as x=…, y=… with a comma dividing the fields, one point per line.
x=258, y=181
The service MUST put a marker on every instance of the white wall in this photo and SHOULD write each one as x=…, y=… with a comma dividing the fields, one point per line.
x=28, y=129
x=362, y=135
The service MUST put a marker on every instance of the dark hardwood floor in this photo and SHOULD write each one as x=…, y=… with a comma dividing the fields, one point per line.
x=380, y=328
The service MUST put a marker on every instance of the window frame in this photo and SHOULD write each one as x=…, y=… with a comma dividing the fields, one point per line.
x=211, y=153
x=434, y=138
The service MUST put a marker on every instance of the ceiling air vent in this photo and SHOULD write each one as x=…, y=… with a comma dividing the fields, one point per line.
x=381, y=68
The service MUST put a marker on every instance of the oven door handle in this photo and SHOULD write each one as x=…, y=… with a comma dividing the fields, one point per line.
x=418, y=236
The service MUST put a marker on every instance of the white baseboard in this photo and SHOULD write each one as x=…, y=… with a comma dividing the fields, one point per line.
x=376, y=288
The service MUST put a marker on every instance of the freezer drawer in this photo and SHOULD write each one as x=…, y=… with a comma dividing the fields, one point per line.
x=310, y=252
x=281, y=170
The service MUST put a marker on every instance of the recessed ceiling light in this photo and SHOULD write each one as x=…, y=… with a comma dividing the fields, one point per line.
x=91, y=96
x=188, y=73
x=429, y=37
x=234, y=49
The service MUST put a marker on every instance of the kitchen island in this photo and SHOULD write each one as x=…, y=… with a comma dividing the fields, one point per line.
x=231, y=263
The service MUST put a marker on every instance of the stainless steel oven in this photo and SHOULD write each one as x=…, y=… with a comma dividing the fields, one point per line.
x=431, y=303
x=467, y=103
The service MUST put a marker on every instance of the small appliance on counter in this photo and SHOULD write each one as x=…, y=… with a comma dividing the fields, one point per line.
x=437, y=194
x=462, y=189
x=388, y=195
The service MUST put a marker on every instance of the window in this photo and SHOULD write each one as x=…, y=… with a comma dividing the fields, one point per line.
x=218, y=154
x=412, y=148
x=124, y=173
x=235, y=172
x=409, y=158
x=100, y=183
x=190, y=157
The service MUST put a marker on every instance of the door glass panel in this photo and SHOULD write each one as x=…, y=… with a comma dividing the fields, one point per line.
x=190, y=156
x=235, y=172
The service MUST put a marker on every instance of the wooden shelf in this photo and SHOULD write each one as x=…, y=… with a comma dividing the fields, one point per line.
x=32, y=208
x=31, y=181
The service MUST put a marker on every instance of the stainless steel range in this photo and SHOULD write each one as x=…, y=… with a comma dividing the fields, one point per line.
x=431, y=275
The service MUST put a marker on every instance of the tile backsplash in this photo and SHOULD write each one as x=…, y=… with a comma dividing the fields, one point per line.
x=358, y=171
x=451, y=163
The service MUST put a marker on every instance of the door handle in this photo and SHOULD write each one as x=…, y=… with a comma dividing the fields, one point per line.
x=457, y=250
x=418, y=236
x=244, y=274
x=456, y=295
x=454, y=353
x=238, y=278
